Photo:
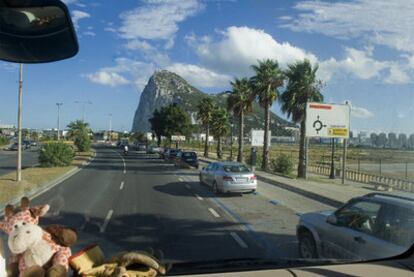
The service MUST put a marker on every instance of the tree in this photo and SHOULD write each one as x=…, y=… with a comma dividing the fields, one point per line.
x=157, y=125
x=302, y=87
x=205, y=114
x=220, y=127
x=240, y=102
x=79, y=132
x=269, y=77
x=170, y=120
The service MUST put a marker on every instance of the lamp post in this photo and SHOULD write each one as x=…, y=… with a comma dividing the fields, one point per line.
x=110, y=127
x=58, y=120
x=19, y=127
x=83, y=103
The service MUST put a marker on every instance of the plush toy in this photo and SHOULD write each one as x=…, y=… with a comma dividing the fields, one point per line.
x=90, y=263
x=34, y=249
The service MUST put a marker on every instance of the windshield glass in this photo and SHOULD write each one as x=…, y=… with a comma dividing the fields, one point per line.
x=141, y=141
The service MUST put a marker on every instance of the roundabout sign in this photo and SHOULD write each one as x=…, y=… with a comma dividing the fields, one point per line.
x=327, y=120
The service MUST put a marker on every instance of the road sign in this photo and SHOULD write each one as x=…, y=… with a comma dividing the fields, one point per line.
x=178, y=138
x=258, y=137
x=327, y=120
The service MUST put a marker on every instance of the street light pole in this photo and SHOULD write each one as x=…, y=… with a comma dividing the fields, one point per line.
x=19, y=127
x=110, y=127
x=58, y=120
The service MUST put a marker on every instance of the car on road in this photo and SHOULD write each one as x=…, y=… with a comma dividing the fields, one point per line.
x=171, y=154
x=186, y=159
x=228, y=177
x=14, y=147
x=369, y=227
x=164, y=153
x=141, y=147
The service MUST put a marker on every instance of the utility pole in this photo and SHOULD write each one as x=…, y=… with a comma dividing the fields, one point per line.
x=58, y=120
x=19, y=127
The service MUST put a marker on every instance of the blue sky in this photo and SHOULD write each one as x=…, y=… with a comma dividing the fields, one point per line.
x=365, y=52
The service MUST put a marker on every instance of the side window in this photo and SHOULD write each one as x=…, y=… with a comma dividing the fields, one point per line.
x=361, y=216
x=215, y=166
x=396, y=224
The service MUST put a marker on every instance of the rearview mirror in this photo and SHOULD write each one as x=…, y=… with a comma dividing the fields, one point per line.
x=36, y=31
x=332, y=219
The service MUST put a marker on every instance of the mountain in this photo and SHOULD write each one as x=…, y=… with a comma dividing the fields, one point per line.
x=165, y=87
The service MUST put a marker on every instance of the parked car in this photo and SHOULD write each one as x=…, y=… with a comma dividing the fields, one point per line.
x=26, y=144
x=224, y=177
x=370, y=227
x=14, y=147
x=186, y=159
x=164, y=153
x=172, y=153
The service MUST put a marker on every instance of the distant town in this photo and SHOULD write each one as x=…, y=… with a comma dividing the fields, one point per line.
x=361, y=139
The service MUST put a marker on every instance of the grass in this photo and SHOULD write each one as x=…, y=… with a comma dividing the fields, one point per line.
x=34, y=178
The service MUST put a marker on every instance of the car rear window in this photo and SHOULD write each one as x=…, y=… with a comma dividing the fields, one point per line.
x=236, y=168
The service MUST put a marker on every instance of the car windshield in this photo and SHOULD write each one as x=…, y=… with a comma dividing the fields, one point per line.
x=235, y=168
x=209, y=131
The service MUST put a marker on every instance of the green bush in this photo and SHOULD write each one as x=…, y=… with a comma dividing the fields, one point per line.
x=83, y=142
x=54, y=154
x=283, y=164
x=4, y=141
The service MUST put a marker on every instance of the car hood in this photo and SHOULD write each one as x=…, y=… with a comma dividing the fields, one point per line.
x=322, y=215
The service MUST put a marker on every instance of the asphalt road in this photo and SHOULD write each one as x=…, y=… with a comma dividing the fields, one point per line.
x=139, y=201
x=8, y=160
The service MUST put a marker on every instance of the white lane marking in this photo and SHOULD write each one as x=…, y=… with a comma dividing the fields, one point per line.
x=181, y=179
x=199, y=197
x=122, y=185
x=239, y=240
x=123, y=160
x=213, y=212
x=106, y=222
x=188, y=186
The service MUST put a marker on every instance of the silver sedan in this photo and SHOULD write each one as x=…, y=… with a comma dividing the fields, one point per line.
x=225, y=177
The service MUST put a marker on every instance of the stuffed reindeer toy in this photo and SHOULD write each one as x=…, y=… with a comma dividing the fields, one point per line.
x=35, y=252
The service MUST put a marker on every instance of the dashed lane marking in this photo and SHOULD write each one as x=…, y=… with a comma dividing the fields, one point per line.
x=106, y=222
x=213, y=212
x=121, y=187
x=239, y=240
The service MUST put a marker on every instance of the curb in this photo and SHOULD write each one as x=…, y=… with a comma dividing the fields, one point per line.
x=47, y=186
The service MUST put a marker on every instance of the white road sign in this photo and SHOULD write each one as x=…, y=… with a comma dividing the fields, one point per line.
x=258, y=137
x=178, y=138
x=327, y=120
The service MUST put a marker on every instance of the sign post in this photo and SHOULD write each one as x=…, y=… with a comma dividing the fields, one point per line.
x=329, y=121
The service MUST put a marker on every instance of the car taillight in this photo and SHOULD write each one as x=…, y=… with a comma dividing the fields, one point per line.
x=253, y=178
x=227, y=178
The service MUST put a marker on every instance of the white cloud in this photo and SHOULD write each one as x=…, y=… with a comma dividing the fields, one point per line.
x=89, y=33
x=110, y=29
x=199, y=76
x=240, y=47
x=382, y=22
x=359, y=112
x=106, y=77
x=157, y=19
x=358, y=63
x=78, y=15
x=150, y=52
x=397, y=75
x=126, y=71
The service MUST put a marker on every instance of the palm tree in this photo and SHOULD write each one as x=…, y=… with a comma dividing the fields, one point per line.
x=269, y=77
x=240, y=101
x=205, y=113
x=220, y=127
x=77, y=127
x=302, y=87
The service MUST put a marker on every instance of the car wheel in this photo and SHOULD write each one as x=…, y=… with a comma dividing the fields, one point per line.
x=307, y=246
x=215, y=189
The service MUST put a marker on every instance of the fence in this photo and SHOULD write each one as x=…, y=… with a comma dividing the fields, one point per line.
x=399, y=184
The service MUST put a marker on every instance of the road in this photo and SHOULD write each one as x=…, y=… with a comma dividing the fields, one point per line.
x=139, y=201
x=8, y=160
